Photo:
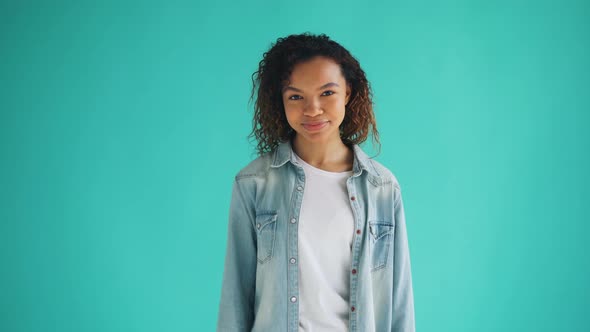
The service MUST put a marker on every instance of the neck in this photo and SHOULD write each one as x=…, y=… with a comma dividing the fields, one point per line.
x=333, y=155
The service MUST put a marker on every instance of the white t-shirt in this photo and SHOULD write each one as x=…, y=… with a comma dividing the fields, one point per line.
x=326, y=226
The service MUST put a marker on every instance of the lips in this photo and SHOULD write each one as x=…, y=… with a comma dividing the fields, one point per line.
x=313, y=126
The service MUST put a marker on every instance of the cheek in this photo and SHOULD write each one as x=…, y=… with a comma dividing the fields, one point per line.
x=291, y=113
x=336, y=102
x=337, y=105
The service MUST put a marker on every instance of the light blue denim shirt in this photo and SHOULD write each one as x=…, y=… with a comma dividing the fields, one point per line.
x=260, y=289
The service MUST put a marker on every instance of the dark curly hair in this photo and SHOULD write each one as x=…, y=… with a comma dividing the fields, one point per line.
x=270, y=126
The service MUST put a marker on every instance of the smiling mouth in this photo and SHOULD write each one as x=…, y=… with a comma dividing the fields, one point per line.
x=315, y=125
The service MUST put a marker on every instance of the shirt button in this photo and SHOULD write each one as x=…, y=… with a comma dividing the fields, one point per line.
x=293, y=299
x=292, y=260
x=293, y=220
x=353, y=271
x=352, y=198
x=358, y=231
x=352, y=308
x=299, y=188
x=258, y=226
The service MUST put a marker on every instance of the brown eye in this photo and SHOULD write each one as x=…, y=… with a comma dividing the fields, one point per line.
x=294, y=97
x=329, y=93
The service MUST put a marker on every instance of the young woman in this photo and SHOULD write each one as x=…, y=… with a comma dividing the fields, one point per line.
x=317, y=235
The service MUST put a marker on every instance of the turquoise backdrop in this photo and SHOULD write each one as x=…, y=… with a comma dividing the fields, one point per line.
x=123, y=123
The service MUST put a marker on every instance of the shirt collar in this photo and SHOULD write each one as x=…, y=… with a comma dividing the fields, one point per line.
x=284, y=153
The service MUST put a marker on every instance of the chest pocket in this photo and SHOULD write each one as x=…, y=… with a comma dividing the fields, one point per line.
x=381, y=234
x=265, y=234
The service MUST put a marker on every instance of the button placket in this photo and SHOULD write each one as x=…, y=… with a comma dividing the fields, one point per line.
x=293, y=316
x=354, y=277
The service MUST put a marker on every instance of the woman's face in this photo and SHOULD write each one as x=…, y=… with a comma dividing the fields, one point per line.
x=314, y=100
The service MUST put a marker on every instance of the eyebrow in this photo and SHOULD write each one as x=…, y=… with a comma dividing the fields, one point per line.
x=320, y=88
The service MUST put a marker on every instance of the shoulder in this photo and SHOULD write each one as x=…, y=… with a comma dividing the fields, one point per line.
x=388, y=179
x=377, y=173
x=258, y=167
x=385, y=174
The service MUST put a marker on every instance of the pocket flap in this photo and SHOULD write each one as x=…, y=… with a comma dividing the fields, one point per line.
x=265, y=218
x=380, y=228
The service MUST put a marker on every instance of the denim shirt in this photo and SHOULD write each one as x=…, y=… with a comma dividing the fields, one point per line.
x=260, y=288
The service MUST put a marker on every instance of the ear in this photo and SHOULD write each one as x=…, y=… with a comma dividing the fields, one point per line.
x=347, y=94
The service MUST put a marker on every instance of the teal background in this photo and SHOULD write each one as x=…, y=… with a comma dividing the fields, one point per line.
x=122, y=125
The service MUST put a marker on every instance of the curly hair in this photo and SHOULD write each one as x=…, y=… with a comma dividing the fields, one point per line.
x=270, y=126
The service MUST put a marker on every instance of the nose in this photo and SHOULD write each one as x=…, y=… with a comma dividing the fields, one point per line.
x=312, y=108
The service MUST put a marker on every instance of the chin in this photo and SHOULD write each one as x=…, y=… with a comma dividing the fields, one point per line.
x=320, y=137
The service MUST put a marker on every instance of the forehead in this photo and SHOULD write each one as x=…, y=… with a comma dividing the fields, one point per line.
x=316, y=71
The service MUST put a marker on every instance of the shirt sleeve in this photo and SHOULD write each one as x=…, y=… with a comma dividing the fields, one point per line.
x=403, y=298
x=236, y=307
